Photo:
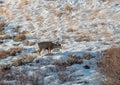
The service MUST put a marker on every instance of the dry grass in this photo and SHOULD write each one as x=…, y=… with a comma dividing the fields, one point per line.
x=40, y=19
x=73, y=59
x=2, y=32
x=58, y=13
x=3, y=11
x=110, y=66
x=28, y=43
x=54, y=31
x=68, y=8
x=2, y=25
x=43, y=31
x=64, y=77
x=70, y=30
x=17, y=62
x=20, y=37
x=10, y=52
x=16, y=28
x=24, y=32
x=23, y=60
x=3, y=54
x=66, y=37
x=5, y=37
x=28, y=58
x=87, y=56
x=84, y=38
x=20, y=78
x=23, y=3
x=14, y=51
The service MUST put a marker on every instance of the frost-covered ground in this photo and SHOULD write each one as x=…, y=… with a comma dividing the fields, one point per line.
x=83, y=27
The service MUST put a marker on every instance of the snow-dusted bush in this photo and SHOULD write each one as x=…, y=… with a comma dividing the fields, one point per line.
x=110, y=66
x=19, y=37
x=4, y=54
x=23, y=60
x=2, y=25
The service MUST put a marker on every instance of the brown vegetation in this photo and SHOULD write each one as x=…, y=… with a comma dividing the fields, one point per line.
x=70, y=30
x=24, y=32
x=110, y=66
x=2, y=25
x=21, y=78
x=3, y=54
x=68, y=8
x=19, y=37
x=84, y=38
x=10, y=52
x=5, y=37
x=87, y=56
x=29, y=43
x=23, y=60
x=14, y=51
x=58, y=13
x=73, y=59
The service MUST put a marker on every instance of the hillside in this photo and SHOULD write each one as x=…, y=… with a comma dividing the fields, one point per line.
x=84, y=28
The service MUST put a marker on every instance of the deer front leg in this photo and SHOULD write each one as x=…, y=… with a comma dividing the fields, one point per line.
x=39, y=50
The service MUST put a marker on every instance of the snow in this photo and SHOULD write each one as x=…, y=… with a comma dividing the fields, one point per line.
x=85, y=18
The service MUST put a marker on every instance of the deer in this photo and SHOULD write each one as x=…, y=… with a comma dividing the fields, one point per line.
x=48, y=45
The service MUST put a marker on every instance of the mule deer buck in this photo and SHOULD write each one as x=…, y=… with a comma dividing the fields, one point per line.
x=48, y=46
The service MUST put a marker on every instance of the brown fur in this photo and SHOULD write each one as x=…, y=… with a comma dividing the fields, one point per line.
x=47, y=46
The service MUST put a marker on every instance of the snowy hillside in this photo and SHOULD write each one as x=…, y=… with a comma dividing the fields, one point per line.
x=84, y=28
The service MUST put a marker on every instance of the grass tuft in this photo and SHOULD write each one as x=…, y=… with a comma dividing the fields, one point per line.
x=110, y=66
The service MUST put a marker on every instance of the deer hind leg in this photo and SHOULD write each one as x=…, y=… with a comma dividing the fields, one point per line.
x=39, y=50
x=49, y=51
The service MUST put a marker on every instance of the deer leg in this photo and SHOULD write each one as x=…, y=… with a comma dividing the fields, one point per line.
x=49, y=51
x=39, y=50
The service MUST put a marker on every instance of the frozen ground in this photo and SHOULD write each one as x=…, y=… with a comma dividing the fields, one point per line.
x=84, y=28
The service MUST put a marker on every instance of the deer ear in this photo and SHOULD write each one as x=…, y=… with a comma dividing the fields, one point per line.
x=58, y=40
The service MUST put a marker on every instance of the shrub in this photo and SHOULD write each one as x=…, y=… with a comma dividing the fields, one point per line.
x=2, y=25
x=110, y=66
x=10, y=52
x=24, y=32
x=64, y=77
x=70, y=30
x=2, y=33
x=68, y=8
x=3, y=54
x=58, y=13
x=84, y=38
x=14, y=51
x=17, y=62
x=5, y=67
x=87, y=56
x=19, y=37
x=29, y=43
x=28, y=58
x=73, y=59
x=66, y=36
x=23, y=60
x=19, y=78
x=5, y=37
x=16, y=28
